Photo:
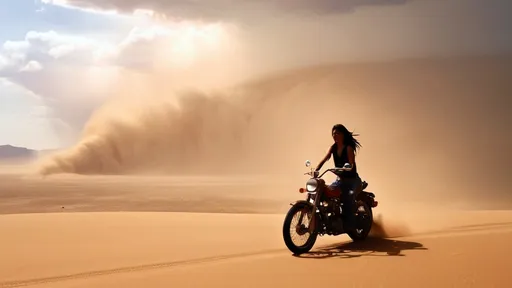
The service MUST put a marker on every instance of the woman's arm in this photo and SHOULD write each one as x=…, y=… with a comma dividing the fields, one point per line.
x=325, y=159
x=351, y=155
x=351, y=158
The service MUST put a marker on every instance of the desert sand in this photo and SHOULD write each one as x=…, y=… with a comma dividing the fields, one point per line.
x=106, y=231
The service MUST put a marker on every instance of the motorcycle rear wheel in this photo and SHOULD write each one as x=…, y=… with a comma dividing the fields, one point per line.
x=365, y=220
x=298, y=228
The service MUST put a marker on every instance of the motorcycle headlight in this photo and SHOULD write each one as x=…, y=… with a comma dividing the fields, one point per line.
x=311, y=185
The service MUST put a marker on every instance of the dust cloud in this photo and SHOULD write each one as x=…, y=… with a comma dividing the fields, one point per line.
x=431, y=129
x=388, y=229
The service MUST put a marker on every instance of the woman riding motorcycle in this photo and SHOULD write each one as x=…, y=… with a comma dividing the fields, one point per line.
x=347, y=182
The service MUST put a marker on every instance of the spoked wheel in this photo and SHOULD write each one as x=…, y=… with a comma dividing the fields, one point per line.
x=296, y=230
x=364, y=221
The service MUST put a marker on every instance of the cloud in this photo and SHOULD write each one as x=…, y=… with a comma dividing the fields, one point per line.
x=55, y=66
x=67, y=4
x=24, y=118
x=215, y=10
x=285, y=34
x=4, y=62
x=76, y=74
x=32, y=66
x=175, y=45
x=171, y=44
x=39, y=48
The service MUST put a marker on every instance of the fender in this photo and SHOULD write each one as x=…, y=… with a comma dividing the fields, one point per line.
x=365, y=194
x=367, y=197
x=302, y=203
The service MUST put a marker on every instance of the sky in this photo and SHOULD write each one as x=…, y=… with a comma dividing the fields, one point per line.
x=60, y=59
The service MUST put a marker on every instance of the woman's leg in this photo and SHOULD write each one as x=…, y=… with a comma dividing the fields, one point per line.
x=349, y=189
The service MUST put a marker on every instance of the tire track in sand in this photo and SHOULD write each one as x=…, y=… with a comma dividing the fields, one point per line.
x=447, y=232
x=463, y=230
x=132, y=269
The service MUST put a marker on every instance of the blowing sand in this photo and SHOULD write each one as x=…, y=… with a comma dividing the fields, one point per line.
x=163, y=232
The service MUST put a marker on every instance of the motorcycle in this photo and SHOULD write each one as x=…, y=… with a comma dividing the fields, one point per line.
x=324, y=212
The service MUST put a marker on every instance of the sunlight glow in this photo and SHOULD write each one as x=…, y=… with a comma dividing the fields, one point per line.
x=179, y=45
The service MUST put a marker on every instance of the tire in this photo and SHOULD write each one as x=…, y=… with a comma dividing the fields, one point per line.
x=297, y=250
x=356, y=237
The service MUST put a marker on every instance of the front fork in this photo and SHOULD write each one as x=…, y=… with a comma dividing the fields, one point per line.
x=311, y=224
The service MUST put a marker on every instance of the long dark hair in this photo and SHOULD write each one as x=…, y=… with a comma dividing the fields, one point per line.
x=348, y=137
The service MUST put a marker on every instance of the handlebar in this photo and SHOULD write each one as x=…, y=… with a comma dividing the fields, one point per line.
x=333, y=170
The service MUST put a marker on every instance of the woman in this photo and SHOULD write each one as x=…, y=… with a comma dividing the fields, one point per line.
x=348, y=182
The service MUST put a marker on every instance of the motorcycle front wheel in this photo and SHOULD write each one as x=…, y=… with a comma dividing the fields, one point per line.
x=295, y=226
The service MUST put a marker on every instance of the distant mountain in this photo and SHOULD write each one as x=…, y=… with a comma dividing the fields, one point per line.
x=9, y=152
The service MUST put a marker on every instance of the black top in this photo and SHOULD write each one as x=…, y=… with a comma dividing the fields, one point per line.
x=339, y=161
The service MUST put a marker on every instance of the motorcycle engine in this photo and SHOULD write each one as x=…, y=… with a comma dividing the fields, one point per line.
x=335, y=217
x=336, y=224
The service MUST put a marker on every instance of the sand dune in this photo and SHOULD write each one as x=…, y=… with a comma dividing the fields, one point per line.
x=226, y=250
x=242, y=247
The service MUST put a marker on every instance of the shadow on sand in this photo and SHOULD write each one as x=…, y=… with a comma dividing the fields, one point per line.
x=369, y=247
